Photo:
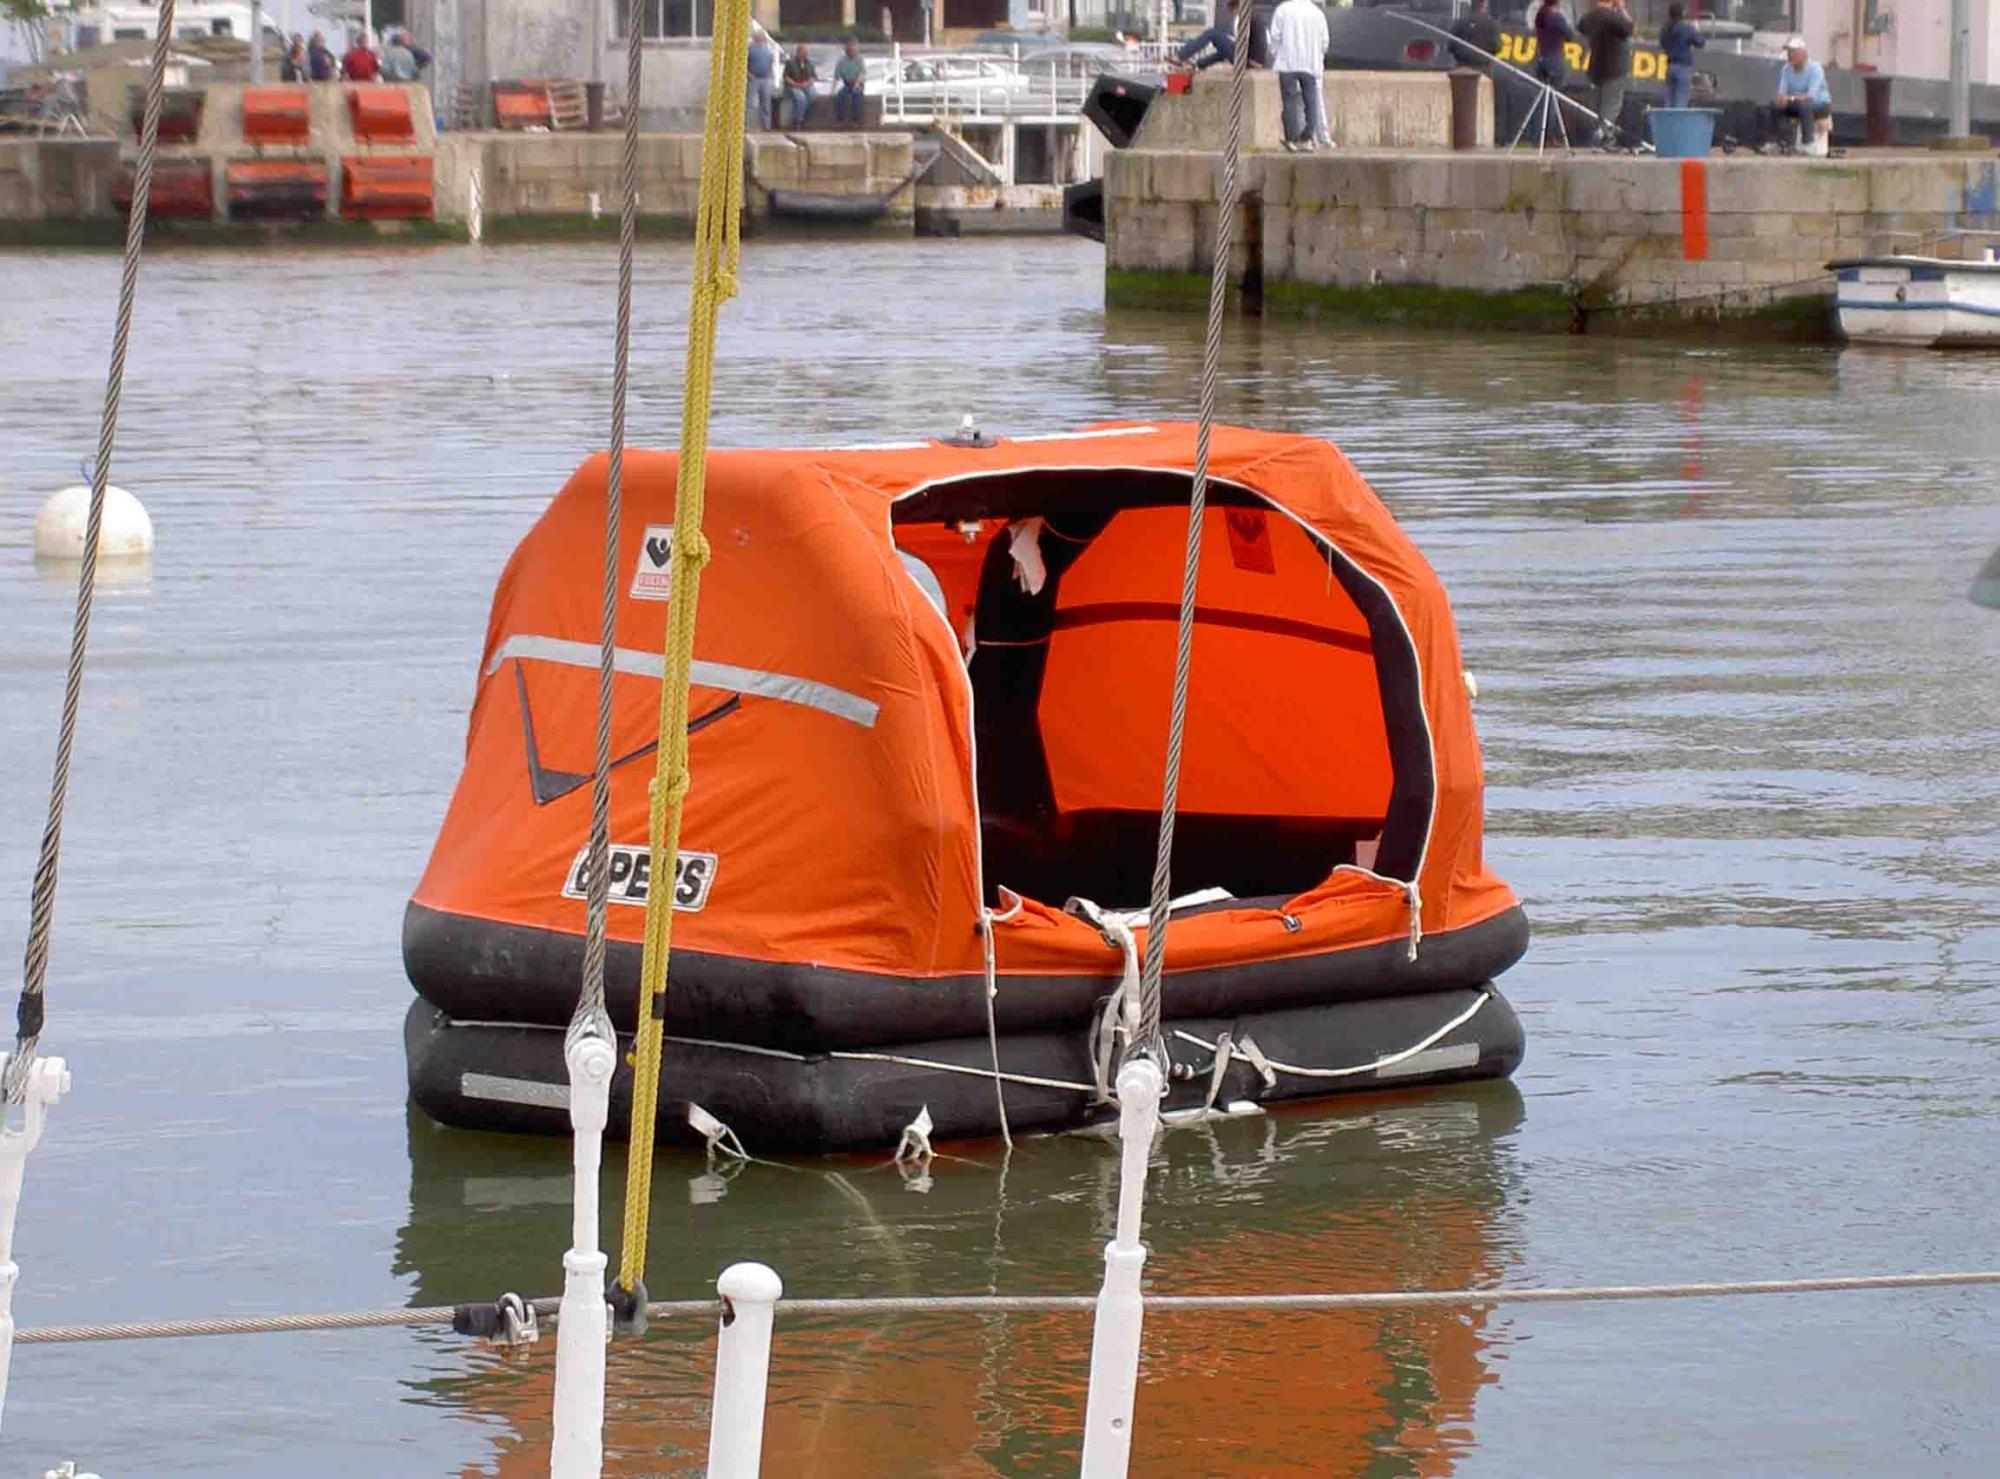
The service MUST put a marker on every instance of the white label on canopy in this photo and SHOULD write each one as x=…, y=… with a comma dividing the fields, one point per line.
x=631, y=875
x=654, y=579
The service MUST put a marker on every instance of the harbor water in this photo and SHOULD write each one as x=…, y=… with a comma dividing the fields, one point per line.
x=1740, y=727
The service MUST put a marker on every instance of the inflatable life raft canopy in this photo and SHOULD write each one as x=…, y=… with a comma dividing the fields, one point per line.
x=934, y=679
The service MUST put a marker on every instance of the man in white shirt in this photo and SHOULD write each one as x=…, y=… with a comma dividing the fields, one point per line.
x=1298, y=56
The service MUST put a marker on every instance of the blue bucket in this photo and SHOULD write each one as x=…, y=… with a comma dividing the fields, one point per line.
x=1682, y=133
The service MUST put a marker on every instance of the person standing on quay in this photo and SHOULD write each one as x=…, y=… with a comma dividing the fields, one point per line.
x=1679, y=39
x=360, y=64
x=1553, y=32
x=1476, y=38
x=1298, y=55
x=320, y=60
x=1608, y=30
x=757, y=95
x=399, y=63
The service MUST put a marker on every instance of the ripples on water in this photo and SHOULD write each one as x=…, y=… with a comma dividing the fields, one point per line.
x=1740, y=732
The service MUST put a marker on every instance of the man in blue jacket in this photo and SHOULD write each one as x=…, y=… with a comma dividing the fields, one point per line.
x=1679, y=39
x=1802, y=98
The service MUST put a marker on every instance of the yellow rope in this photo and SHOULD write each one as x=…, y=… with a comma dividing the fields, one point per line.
x=717, y=221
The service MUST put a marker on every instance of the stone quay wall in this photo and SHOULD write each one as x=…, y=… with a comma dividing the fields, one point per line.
x=525, y=177
x=1364, y=110
x=1584, y=238
x=62, y=189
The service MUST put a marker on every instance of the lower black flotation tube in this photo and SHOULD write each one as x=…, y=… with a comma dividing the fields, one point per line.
x=480, y=970
x=507, y=1076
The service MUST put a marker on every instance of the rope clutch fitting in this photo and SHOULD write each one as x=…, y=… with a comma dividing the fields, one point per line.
x=628, y=1308
x=507, y=1321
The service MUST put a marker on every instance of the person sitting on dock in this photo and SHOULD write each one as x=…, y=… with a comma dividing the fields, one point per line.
x=295, y=67
x=320, y=59
x=1608, y=30
x=1217, y=45
x=1298, y=54
x=760, y=66
x=800, y=75
x=1476, y=38
x=1802, y=98
x=850, y=84
x=1679, y=39
x=360, y=64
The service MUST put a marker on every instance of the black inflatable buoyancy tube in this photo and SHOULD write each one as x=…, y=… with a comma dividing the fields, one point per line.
x=482, y=971
x=509, y=1076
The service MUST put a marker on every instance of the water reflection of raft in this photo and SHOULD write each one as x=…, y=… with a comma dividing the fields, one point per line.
x=861, y=784
x=1425, y=1197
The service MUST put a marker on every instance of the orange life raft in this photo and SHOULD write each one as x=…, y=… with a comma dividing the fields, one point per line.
x=931, y=689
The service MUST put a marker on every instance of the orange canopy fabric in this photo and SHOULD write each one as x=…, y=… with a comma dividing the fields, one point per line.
x=834, y=815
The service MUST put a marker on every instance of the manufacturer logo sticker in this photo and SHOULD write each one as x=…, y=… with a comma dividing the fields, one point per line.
x=654, y=579
x=631, y=877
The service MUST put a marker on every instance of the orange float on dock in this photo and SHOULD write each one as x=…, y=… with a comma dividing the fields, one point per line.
x=275, y=189
x=386, y=188
x=381, y=115
x=276, y=115
x=183, y=189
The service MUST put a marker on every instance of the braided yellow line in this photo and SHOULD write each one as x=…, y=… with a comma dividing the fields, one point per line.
x=716, y=249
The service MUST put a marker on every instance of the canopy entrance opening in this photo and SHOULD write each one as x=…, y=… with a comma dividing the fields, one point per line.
x=1306, y=744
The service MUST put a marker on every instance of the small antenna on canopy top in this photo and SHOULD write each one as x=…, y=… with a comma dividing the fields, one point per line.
x=969, y=434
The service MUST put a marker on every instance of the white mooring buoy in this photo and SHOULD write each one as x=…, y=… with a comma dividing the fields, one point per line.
x=127, y=533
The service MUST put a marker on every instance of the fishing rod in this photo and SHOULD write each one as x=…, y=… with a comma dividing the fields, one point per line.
x=1555, y=98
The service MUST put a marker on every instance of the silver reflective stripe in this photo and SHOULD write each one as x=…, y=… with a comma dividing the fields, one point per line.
x=514, y=1090
x=781, y=686
x=1432, y=1060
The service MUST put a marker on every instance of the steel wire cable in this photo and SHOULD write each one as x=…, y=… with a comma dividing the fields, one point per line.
x=31, y=1012
x=1147, y=1039
x=984, y=1304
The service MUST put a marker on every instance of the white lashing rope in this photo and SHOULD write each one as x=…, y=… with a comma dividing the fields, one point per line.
x=989, y=956
x=1264, y=1061
x=982, y=1304
x=1242, y=1048
x=42, y=898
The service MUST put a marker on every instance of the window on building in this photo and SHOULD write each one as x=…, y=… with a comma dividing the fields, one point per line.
x=1764, y=15
x=666, y=20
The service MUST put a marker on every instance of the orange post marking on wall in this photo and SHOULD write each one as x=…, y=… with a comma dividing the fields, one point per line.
x=1694, y=210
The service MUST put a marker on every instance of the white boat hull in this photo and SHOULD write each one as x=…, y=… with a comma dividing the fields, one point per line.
x=1923, y=301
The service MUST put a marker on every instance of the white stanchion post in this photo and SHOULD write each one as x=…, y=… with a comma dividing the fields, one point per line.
x=48, y=1081
x=1114, y=1343
x=583, y=1322
x=750, y=1294
x=475, y=207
